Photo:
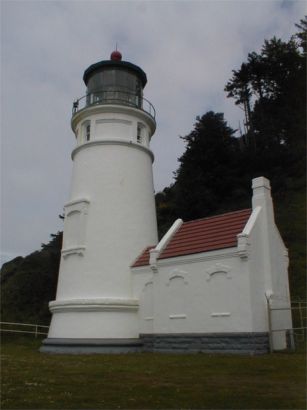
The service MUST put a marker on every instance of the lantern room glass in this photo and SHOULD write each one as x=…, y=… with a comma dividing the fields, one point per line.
x=114, y=86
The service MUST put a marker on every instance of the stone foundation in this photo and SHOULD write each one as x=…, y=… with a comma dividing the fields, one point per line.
x=89, y=346
x=236, y=343
x=242, y=343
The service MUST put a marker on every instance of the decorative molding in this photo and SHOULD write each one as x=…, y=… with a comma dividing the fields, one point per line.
x=218, y=268
x=113, y=108
x=77, y=201
x=168, y=236
x=243, y=246
x=153, y=256
x=75, y=243
x=181, y=316
x=251, y=221
x=140, y=269
x=94, y=305
x=193, y=258
x=156, y=252
x=177, y=273
x=78, y=250
x=150, y=282
x=112, y=142
x=77, y=205
x=113, y=121
x=220, y=314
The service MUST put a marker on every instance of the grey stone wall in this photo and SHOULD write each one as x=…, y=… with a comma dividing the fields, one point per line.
x=243, y=343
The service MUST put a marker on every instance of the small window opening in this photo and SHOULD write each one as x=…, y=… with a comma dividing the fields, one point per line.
x=139, y=134
x=88, y=132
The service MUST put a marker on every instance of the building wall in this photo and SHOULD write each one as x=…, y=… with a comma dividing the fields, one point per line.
x=269, y=269
x=272, y=290
x=207, y=293
x=225, y=291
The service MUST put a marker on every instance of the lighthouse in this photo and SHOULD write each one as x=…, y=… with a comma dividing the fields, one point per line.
x=110, y=216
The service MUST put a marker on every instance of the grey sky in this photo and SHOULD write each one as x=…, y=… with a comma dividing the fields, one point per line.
x=187, y=49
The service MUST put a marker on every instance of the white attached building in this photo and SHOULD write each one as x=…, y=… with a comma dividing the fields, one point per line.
x=207, y=284
x=204, y=287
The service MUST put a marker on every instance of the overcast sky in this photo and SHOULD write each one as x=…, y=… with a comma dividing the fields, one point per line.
x=186, y=48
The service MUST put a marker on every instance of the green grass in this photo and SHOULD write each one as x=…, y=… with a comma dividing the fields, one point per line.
x=32, y=380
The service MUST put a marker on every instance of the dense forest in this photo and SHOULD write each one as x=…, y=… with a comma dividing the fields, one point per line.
x=215, y=172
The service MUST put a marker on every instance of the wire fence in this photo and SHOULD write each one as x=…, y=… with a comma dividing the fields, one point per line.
x=25, y=328
x=296, y=334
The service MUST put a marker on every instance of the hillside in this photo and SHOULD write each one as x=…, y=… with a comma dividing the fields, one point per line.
x=29, y=283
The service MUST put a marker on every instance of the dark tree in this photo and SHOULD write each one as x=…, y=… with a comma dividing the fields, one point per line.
x=28, y=284
x=271, y=86
x=302, y=34
x=209, y=177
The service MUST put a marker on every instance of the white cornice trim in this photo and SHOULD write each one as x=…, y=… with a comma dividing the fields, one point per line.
x=126, y=143
x=113, y=108
x=193, y=258
x=251, y=221
x=79, y=250
x=94, y=305
x=156, y=252
x=77, y=201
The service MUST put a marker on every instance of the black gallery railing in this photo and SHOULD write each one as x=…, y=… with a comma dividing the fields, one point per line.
x=114, y=97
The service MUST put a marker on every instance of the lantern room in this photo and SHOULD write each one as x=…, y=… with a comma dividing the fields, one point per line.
x=115, y=82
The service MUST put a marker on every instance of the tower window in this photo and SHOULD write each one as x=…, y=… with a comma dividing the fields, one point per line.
x=139, y=134
x=88, y=132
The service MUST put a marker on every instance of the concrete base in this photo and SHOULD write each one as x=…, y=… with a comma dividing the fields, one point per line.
x=238, y=343
x=90, y=346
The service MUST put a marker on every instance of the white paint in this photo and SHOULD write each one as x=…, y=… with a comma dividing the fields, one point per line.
x=156, y=252
x=221, y=314
x=177, y=316
x=109, y=219
x=218, y=268
x=208, y=302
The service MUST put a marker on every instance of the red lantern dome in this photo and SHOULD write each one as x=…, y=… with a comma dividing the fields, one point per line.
x=116, y=56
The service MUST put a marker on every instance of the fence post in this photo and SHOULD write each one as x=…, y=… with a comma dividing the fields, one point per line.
x=301, y=314
x=35, y=331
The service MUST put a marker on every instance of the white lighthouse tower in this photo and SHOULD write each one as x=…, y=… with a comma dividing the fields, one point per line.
x=110, y=216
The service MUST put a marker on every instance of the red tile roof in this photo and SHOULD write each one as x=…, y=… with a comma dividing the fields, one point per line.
x=202, y=235
x=143, y=258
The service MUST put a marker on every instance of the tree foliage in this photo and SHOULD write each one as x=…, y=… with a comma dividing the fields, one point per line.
x=271, y=88
x=209, y=168
x=28, y=284
x=216, y=168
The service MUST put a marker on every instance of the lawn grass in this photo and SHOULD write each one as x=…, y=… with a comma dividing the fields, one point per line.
x=33, y=380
